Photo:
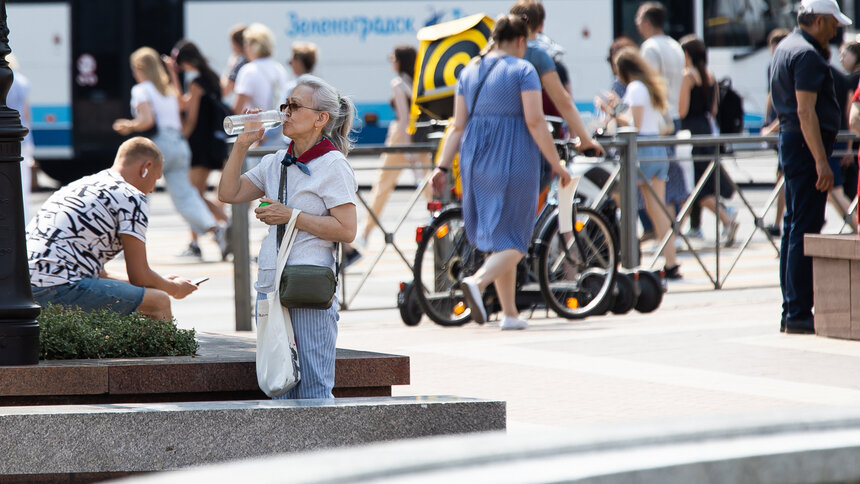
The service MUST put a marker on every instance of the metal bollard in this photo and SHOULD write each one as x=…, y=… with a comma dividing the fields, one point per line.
x=629, y=199
x=19, y=331
x=241, y=266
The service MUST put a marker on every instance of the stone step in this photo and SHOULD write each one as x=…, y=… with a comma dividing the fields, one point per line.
x=76, y=443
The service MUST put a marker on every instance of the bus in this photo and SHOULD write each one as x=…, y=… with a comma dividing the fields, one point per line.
x=75, y=52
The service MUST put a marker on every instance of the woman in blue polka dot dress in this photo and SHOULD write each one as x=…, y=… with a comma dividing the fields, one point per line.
x=498, y=116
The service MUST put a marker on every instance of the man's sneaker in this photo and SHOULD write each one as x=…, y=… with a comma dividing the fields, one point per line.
x=694, y=233
x=193, y=250
x=509, y=323
x=730, y=230
x=222, y=238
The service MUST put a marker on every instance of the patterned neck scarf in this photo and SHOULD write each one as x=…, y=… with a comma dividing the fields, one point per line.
x=322, y=147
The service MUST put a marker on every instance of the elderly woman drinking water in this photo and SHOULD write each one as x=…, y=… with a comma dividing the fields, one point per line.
x=318, y=180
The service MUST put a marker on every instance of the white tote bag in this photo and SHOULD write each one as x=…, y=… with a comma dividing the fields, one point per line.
x=277, y=355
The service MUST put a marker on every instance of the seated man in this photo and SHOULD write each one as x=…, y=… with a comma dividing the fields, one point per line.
x=87, y=223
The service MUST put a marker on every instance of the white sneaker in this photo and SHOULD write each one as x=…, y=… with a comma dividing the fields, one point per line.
x=731, y=230
x=472, y=295
x=509, y=323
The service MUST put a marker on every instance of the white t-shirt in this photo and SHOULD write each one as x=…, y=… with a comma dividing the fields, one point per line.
x=637, y=95
x=256, y=80
x=164, y=108
x=665, y=55
x=77, y=230
x=330, y=184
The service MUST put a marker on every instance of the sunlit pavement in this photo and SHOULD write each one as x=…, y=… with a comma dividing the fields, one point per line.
x=703, y=352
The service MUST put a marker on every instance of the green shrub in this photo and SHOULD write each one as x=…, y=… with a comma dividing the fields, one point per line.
x=70, y=333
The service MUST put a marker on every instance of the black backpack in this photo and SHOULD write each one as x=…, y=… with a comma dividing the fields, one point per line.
x=730, y=113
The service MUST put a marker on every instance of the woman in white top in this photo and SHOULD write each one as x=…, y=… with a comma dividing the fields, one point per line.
x=154, y=106
x=262, y=82
x=403, y=63
x=647, y=98
x=318, y=180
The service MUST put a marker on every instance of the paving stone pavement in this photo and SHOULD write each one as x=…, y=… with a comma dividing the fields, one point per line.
x=703, y=352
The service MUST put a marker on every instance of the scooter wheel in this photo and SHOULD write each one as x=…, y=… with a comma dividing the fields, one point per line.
x=407, y=303
x=650, y=292
x=625, y=298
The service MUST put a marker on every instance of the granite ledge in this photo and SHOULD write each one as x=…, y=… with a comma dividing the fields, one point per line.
x=224, y=368
x=832, y=246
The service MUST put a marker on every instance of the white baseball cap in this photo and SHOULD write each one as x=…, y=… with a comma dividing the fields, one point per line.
x=824, y=7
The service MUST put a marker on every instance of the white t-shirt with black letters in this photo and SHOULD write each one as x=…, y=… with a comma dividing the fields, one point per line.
x=77, y=230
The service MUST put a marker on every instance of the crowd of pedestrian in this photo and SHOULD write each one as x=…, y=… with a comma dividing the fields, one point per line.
x=498, y=129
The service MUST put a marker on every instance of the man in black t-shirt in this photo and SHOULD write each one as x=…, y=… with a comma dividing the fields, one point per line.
x=803, y=96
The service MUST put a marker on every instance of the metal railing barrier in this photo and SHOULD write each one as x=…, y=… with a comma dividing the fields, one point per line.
x=240, y=229
x=627, y=173
x=623, y=176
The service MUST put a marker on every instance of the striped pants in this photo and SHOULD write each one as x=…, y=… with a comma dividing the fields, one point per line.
x=316, y=335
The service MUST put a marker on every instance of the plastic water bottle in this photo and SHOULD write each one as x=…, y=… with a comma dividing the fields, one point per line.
x=238, y=123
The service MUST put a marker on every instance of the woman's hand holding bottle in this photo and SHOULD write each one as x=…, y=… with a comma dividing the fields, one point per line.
x=252, y=133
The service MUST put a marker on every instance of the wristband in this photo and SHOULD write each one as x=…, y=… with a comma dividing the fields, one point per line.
x=443, y=169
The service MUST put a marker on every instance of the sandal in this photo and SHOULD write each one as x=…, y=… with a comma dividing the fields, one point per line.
x=672, y=273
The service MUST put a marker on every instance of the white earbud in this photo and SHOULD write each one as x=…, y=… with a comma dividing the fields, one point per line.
x=145, y=172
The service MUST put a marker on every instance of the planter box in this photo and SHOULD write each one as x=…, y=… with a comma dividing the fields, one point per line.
x=836, y=283
x=223, y=370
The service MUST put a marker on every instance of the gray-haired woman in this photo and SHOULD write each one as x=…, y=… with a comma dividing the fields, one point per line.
x=318, y=181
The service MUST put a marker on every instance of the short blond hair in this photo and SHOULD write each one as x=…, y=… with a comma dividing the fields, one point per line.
x=260, y=38
x=306, y=53
x=137, y=150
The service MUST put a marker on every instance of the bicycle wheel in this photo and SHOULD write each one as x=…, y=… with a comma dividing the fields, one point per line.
x=576, y=271
x=443, y=258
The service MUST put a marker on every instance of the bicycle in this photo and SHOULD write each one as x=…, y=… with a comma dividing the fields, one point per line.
x=573, y=274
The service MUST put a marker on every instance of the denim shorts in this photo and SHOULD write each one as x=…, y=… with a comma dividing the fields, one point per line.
x=651, y=169
x=93, y=294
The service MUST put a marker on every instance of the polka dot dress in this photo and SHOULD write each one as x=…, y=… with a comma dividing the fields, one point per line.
x=500, y=162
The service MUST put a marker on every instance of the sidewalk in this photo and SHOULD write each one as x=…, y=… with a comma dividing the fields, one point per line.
x=703, y=352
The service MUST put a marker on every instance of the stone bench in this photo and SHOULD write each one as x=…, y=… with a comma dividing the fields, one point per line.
x=86, y=443
x=836, y=283
x=223, y=370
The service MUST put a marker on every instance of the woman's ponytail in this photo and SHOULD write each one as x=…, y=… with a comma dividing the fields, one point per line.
x=341, y=126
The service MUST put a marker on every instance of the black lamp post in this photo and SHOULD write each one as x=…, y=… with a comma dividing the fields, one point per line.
x=19, y=332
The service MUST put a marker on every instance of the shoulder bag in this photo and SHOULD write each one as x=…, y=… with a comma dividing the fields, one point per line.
x=278, y=368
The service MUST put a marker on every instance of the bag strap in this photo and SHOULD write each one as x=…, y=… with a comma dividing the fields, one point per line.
x=481, y=86
x=286, y=245
x=280, y=232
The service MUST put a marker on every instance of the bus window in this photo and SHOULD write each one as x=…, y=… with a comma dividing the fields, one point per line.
x=733, y=23
x=679, y=23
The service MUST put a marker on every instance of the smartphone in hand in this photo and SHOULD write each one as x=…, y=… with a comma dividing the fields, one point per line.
x=199, y=280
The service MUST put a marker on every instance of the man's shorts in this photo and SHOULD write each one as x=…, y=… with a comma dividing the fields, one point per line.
x=93, y=294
